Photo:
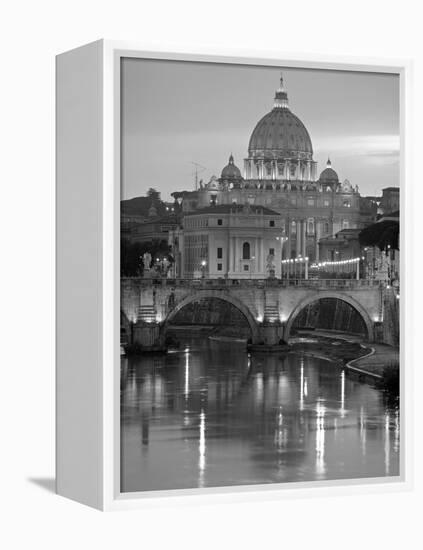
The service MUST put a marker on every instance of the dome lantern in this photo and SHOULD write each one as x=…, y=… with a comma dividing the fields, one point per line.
x=281, y=97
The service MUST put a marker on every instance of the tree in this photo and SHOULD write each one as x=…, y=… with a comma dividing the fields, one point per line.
x=384, y=235
x=131, y=264
x=154, y=195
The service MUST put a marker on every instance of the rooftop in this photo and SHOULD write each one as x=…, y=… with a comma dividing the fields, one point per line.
x=234, y=209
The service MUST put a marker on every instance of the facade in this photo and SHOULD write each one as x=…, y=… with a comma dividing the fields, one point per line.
x=280, y=173
x=229, y=241
x=152, y=229
x=390, y=200
x=343, y=246
x=384, y=265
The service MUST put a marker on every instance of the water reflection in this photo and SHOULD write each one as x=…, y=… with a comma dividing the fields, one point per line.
x=210, y=415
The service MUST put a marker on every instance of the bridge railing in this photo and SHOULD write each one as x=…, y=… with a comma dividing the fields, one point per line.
x=260, y=283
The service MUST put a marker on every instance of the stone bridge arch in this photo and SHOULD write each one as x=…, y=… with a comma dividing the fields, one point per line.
x=201, y=294
x=125, y=328
x=331, y=294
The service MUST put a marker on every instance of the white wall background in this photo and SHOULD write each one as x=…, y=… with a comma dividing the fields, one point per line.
x=31, y=34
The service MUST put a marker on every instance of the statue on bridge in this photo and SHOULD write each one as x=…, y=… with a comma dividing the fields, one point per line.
x=146, y=259
x=270, y=266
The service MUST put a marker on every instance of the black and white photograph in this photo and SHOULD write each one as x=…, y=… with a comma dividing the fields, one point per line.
x=259, y=275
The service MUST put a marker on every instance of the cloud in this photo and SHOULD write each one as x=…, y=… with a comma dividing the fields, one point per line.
x=378, y=149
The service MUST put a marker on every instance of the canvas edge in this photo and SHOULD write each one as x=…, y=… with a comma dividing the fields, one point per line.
x=112, y=498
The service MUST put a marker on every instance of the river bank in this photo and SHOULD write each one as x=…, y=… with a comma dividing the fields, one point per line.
x=350, y=351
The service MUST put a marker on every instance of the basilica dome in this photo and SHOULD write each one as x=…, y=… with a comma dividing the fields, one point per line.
x=280, y=134
x=329, y=176
x=231, y=171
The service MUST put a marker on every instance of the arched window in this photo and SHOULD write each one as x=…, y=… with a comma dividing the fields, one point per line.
x=246, y=251
x=294, y=227
x=310, y=226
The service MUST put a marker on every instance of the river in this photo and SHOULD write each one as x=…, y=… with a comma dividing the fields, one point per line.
x=210, y=415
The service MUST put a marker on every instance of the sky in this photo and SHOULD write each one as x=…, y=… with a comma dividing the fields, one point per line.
x=177, y=113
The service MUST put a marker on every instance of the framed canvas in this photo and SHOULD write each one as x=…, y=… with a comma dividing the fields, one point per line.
x=232, y=239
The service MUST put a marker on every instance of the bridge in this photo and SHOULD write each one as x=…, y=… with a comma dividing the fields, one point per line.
x=270, y=306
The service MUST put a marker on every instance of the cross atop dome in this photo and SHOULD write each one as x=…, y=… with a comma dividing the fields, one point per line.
x=328, y=164
x=281, y=97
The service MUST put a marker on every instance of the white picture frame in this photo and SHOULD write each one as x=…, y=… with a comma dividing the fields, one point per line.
x=88, y=354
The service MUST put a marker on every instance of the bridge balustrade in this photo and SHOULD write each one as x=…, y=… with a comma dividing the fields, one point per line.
x=261, y=283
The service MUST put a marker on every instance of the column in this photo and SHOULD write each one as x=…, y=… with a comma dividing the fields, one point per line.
x=317, y=230
x=228, y=256
x=288, y=244
x=304, y=239
x=298, y=238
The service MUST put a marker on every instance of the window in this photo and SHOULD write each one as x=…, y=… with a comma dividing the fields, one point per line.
x=246, y=268
x=220, y=253
x=293, y=227
x=326, y=228
x=219, y=267
x=310, y=226
x=246, y=251
x=345, y=224
x=310, y=202
x=271, y=251
x=272, y=223
x=346, y=204
x=219, y=222
x=326, y=203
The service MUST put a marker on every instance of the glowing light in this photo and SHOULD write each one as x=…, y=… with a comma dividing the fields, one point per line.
x=186, y=392
x=397, y=432
x=302, y=385
x=320, y=439
x=342, y=410
x=387, y=444
x=337, y=262
x=259, y=318
x=363, y=432
x=202, y=448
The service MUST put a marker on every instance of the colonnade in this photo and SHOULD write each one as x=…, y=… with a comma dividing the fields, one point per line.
x=296, y=239
x=272, y=169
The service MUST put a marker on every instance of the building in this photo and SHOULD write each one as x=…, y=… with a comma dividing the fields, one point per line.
x=280, y=173
x=390, y=200
x=152, y=229
x=343, y=246
x=230, y=241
